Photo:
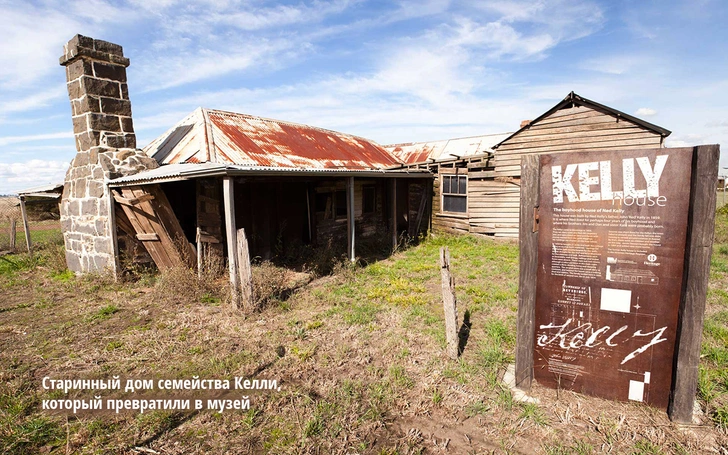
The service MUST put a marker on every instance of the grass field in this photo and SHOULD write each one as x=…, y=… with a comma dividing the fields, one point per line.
x=359, y=357
x=46, y=231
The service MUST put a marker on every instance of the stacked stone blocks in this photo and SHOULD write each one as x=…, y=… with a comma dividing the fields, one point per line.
x=106, y=149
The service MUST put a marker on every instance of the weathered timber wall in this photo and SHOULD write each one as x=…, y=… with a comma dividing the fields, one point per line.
x=576, y=129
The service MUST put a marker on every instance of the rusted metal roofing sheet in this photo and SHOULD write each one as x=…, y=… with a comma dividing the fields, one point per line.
x=449, y=149
x=52, y=190
x=213, y=136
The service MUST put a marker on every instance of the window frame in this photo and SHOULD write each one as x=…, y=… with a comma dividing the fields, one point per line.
x=457, y=176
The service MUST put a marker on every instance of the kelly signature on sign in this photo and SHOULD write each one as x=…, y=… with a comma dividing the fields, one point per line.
x=576, y=338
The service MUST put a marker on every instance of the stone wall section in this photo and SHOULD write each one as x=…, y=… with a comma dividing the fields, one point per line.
x=106, y=149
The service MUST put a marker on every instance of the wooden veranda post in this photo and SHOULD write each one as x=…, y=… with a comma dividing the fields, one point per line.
x=198, y=244
x=394, y=213
x=246, y=275
x=528, y=263
x=228, y=195
x=701, y=228
x=449, y=304
x=350, y=218
x=26, y=227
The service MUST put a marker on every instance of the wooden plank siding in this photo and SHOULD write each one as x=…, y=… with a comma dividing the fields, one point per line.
x=576, y=129
x=493, y=206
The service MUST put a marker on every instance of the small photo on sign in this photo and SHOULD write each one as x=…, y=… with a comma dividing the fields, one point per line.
x=616, y=300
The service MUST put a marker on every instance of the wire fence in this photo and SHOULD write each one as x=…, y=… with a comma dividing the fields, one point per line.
x=43, y=223
x=722, y=198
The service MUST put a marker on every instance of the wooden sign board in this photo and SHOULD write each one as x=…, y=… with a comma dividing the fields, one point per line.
x=601, y=296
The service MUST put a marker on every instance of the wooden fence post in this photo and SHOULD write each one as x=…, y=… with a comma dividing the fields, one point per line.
x=246, y=275
x=450, y=304
x=394, y=214
x=26, y=227
x=12, y=234
x=528, y=264
x=231, y=234
x=701, y=228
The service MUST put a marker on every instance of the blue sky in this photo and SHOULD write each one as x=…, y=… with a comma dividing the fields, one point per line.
x=393, y=72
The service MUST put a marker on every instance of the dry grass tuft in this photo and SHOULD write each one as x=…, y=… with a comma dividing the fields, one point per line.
x=182, y=284
x=270, y=284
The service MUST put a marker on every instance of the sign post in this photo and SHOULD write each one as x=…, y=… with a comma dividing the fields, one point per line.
x=614, y=270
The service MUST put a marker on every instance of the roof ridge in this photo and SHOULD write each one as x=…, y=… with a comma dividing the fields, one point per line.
x=573, y=99
x=294, y=124
x=445, y=140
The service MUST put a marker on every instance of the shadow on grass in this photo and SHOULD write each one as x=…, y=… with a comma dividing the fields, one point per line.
x=464, y=332
x=170, y=424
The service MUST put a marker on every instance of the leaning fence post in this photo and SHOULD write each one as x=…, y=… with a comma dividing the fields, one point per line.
x=246, y=275
x=12, y=234
x=25, y=223
x=450, y=304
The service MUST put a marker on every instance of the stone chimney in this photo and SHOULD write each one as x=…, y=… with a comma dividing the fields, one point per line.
x=106, y=149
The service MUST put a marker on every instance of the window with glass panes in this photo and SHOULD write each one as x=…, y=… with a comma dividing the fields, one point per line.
x=455, y=193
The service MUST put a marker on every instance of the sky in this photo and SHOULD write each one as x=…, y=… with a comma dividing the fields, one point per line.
x=393, y=72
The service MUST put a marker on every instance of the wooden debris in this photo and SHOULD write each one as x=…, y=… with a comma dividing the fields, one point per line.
x=155, y=225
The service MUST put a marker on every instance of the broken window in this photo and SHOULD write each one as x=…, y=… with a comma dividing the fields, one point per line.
x=455, y=193
x=332, y=204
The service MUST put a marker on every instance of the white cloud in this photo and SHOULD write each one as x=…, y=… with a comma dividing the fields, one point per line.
x=620, y=64
x=175, y=70
x=563, y=19
x=498, y=39
x=34, y=101
x=645, y=112
x=33, y=36
x=6, y=140
x=18, y=176
x=32, y=40
x=280, y=15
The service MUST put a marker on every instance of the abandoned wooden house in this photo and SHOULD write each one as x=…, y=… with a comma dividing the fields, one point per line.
x=477, y=190
x=286, y=184
x=190, y=191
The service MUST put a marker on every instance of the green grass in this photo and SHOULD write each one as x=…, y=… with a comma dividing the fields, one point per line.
x=360, y=352
x=104, y=313
x=713, y=373
x=579, y=447
x=40, y=232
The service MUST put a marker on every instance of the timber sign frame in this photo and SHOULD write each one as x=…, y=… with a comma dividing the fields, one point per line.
x=614, y=267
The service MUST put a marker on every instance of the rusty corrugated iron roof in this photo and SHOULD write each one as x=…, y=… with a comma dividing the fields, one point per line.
x=445, y=150
x=221, y=137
